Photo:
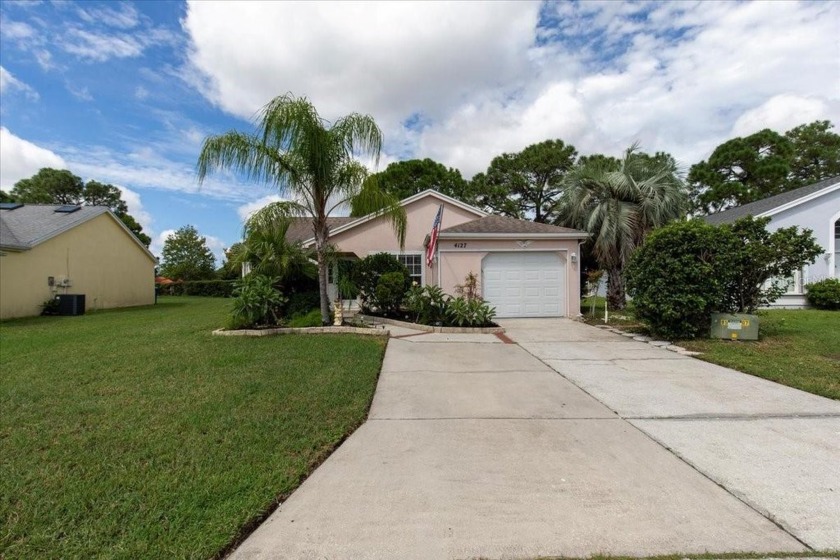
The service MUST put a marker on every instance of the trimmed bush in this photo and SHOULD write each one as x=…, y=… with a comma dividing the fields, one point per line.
x=390, y=292
x=824, y=294
x=678, y=278
x=208, y=288
x=310, y=319
x=366, y=274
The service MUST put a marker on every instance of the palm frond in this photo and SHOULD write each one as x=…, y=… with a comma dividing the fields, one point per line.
x=245, y=154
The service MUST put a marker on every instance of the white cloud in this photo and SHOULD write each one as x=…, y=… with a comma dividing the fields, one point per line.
x=780, y=113
x=483, y=78
x=384, y=58
x=20, y=159
x=135, y=207
x=249, y=208
x=124, y=17
x=82, y=93
x=8, y=84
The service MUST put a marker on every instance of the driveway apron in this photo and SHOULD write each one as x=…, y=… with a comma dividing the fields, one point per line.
x=476, y=448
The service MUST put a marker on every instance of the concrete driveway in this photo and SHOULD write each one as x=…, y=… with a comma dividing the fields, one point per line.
x=477, y=448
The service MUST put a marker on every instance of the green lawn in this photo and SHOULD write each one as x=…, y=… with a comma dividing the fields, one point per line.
x=797, y=347
x=137, y=434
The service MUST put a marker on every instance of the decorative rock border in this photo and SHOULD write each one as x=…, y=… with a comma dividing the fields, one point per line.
x=430, y=328
x=658, y=343
x=305, y=330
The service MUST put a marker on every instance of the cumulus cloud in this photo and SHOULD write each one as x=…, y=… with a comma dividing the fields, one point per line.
x=781, y=113
x=9, y=84
x=249, y=208
x=461, y=82
x=135, y=207
x=20, y=159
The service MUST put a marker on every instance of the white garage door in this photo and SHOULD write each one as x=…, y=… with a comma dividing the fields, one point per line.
x=525, y=284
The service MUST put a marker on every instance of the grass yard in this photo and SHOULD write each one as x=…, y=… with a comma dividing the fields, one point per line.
x=136, y=434
x=797, y=347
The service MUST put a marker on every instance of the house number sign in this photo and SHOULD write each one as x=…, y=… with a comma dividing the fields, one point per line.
x=460, y=245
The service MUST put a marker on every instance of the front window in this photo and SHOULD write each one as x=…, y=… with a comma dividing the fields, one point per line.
x=837, y=249
x=414, y=263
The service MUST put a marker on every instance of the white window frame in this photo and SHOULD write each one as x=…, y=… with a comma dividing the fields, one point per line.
x=833, y=248
x=397, y=254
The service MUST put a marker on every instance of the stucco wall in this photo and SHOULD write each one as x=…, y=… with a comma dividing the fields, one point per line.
x=819, y=215
x=98, y=257
x=457, y=262
x=378, y=236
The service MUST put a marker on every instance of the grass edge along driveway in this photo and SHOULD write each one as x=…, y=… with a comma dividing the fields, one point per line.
x=135, y=433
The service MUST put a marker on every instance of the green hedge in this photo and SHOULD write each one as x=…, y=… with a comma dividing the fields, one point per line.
x=209, y=288
x=824, y=294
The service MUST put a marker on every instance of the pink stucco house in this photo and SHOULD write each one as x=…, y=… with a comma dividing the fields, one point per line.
x=526, y=269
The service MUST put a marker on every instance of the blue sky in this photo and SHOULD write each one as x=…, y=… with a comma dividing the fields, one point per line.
x=126, y=92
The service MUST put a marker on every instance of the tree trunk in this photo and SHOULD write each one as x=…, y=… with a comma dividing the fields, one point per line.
x=615, y=289
x=321, y=235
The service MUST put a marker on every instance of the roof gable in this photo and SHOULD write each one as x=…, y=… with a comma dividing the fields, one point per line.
x=354, y=222
x=29, y=225
x=777, y=203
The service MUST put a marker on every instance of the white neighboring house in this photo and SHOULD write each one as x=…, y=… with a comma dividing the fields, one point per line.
x=816, y=207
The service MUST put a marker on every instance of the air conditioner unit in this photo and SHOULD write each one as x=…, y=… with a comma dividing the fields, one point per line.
x=71, y=304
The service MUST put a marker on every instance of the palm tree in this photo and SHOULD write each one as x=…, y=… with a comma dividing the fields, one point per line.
x=269, y=253
x=311, y=161
x=619, y=207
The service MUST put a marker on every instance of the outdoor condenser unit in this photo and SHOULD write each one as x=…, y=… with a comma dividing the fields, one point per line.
x=71, y=304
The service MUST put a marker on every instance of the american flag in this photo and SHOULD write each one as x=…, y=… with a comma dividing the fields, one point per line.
x=432, y=246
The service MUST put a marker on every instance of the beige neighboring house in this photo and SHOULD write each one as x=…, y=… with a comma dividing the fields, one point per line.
x=46, y=250
x=525, y=269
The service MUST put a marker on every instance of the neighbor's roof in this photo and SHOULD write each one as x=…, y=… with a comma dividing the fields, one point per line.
x=774, y=204
x=503, y=225
x=25, y=226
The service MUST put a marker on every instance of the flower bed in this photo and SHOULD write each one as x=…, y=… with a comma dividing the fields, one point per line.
x=430, y=328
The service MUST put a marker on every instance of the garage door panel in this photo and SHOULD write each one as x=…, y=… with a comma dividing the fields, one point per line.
x=528, y=284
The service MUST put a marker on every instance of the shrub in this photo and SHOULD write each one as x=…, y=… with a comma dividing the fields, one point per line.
x=301, y=303
x=679, y=277
x=257, y=302
x=463, y=312
x=469, y=289
x=208, y=288
x=686, y=271
x=366, y=274
x=824, y=294
x=390, y=292
x=426, y=304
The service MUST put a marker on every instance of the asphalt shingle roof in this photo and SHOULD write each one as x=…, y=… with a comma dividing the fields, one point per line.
x=31, y=224
x=768, y=204
x=504, y=224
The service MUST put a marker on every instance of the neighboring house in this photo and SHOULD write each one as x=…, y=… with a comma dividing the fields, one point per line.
x=47, y=250
x=525, y=269
x=816, y=207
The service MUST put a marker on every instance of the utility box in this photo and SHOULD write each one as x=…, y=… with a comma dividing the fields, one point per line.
x=71, y=304
x=734, y=326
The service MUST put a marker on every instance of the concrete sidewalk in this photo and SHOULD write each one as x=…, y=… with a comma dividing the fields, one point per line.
x=475, y=448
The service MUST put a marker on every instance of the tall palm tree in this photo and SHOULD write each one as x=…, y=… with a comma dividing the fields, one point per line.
x=619, y=207
x=310, y=160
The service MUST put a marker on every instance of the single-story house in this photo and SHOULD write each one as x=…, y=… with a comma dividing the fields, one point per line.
x=816, y=207
x=525, y=269
x=47, y=250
